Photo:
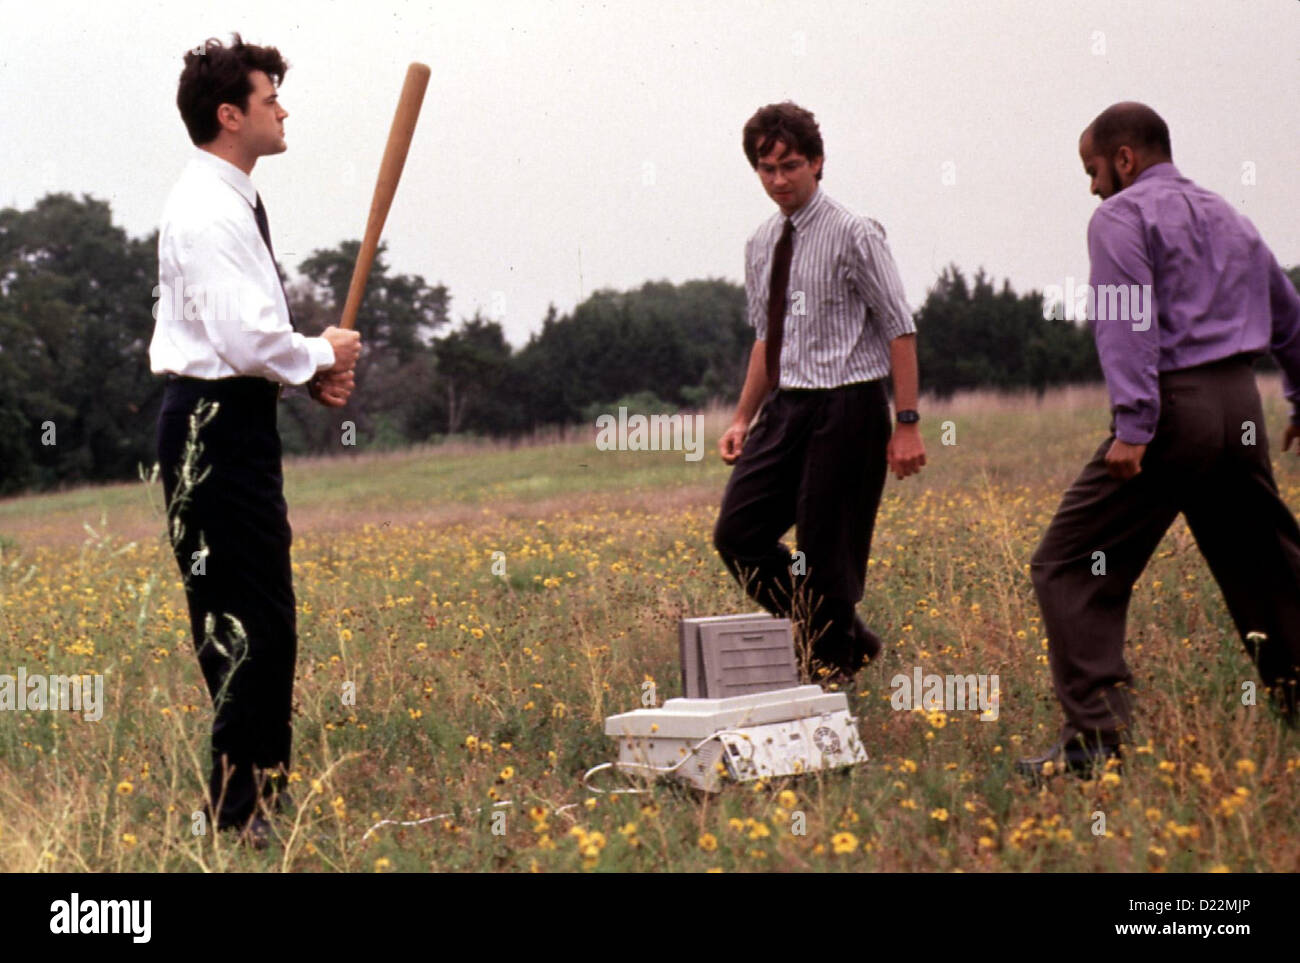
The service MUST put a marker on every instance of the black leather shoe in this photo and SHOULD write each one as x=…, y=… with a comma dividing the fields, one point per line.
x=1073, y=756
x=867, y=647
x=869, y=644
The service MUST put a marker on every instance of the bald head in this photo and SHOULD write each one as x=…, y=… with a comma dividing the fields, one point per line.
x=1123, y=141
x=1133, y=125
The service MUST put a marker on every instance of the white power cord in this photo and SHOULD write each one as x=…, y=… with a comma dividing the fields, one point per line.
x=429, y=819
x=638, y=767
x=628, y=767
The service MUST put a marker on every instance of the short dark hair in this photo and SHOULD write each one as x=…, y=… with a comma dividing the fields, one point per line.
x=1130, y=124
x=785, y=123
x=215, y=74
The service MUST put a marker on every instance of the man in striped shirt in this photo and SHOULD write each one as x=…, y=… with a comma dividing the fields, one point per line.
x=831, y=323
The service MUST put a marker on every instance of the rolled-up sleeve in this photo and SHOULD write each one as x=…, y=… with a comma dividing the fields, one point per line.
x=873, y=272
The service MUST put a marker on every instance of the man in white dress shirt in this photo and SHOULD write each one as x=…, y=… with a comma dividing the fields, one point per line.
x=224, y=337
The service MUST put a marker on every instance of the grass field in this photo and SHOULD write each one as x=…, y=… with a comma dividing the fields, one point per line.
x=472, y=689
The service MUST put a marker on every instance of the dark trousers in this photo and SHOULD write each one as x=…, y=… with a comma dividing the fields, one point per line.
x=238, y=512
x=814, y=459
x=1199, y=465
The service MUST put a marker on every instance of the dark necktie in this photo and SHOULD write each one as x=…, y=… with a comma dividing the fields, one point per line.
x=776, y=296
x=264, y=228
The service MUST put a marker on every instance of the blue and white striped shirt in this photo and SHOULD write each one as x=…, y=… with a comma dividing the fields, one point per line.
x=845, y=302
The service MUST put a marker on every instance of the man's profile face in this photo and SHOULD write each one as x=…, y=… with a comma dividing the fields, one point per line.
x=1102, y=170
x=262, y=130
x=788, y=176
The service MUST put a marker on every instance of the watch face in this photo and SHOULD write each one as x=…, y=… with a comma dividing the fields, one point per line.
x=908, y=417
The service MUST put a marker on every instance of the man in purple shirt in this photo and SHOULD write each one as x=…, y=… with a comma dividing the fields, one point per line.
x=1184, y=294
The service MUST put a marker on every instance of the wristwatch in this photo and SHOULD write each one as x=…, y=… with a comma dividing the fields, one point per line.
x=908, y=416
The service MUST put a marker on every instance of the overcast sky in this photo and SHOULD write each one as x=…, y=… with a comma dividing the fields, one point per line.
x=573, y=146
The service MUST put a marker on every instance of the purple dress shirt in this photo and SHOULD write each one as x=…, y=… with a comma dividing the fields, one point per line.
x=1181, y=279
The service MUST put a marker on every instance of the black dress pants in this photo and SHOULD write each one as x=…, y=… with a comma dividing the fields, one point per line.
x=230, y=534
x=815, y=459
x=1209, y=460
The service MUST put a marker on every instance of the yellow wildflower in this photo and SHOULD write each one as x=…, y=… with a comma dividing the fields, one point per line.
x=844, y=843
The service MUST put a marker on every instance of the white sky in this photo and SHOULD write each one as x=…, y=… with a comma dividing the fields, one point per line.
x=567, y=147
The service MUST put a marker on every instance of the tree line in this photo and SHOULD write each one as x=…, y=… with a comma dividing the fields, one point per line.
x=78, y=402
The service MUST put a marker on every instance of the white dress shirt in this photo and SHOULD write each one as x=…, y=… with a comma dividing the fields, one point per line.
x=219, y=307
x=845, y=298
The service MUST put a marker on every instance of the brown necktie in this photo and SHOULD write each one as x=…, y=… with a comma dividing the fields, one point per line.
x=776, y=294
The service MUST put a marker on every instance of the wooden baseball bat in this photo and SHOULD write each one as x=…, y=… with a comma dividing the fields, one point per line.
x=390, y=172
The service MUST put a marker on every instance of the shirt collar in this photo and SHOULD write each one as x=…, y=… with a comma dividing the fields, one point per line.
x=1163, y=169
x=802, y=217
x=229, y=173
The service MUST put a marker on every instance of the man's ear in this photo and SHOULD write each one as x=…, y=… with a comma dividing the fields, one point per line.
x=229, y=117
x=1126, y=162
